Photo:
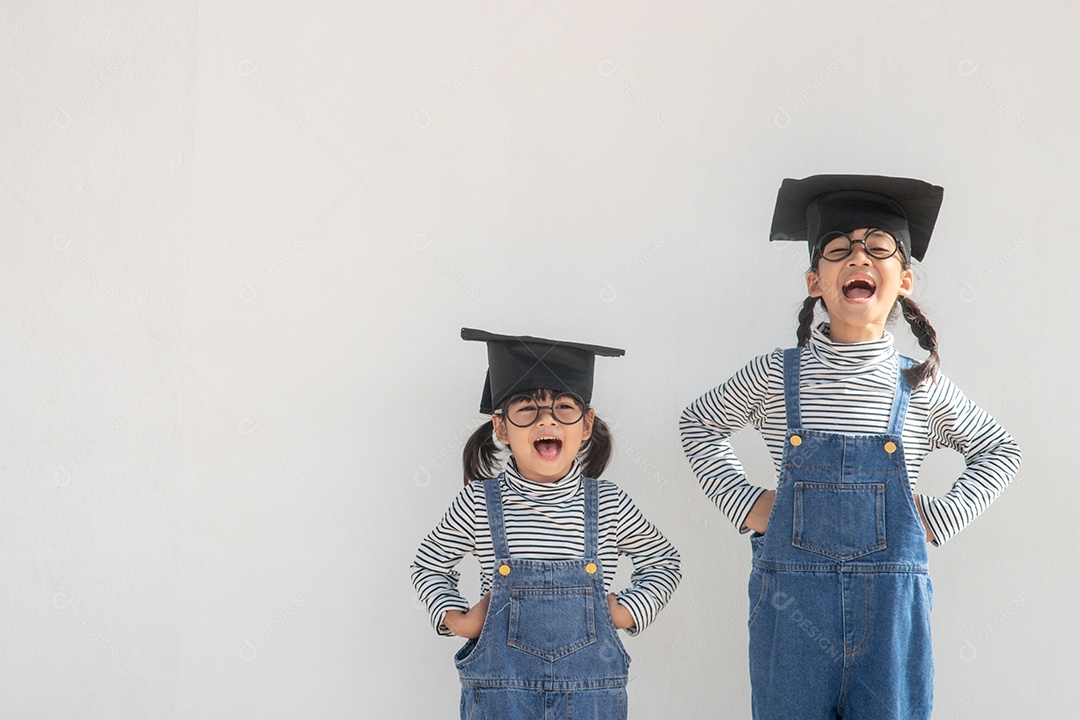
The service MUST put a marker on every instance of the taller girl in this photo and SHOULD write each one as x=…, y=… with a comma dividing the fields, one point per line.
x=839, y=592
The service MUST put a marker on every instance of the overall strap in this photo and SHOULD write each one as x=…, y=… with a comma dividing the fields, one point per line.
x=900, y=397
x=493, y=494
x=592, y=510
x=792, y=356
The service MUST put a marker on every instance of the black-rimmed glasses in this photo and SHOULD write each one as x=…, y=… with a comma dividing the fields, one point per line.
x=523, y=410
x=878, y=244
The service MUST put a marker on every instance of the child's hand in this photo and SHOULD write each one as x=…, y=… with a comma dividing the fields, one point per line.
x=620, y=615
x=468, y=624
x=929, y=533
x=758, y=519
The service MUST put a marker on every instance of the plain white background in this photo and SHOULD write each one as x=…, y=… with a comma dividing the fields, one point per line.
x=239, y=241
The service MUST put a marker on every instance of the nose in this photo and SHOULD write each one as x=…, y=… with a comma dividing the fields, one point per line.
x=863, y=257
x=541, y=411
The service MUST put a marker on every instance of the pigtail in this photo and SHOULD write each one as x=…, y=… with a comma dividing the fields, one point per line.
x=926, y=335
x=596, y=451
x=806, y=320
x=480, y=458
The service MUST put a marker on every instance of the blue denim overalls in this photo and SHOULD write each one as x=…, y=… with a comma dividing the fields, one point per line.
x=548, y=648
x=839, y=592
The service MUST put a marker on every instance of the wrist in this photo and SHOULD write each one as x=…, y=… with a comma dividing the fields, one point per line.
x=620, y=615
x=451, y=618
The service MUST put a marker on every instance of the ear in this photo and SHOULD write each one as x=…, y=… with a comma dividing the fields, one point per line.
x=813, y=284
x=586, y=424
x=500, y=429
x=907, y=282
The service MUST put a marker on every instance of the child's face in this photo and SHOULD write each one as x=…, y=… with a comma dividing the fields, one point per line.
x=545, y=450
x=859, y=291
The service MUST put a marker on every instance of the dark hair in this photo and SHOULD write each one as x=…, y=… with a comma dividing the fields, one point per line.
x=480, y=458
x=920, y=326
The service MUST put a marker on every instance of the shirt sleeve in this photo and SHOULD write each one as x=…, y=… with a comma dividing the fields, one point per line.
x=991, y=455
x=707, y=425
x=657, y=566
x=433, y=573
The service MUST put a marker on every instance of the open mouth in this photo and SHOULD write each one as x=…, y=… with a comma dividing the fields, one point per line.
x=859, y=288
x=548, y=448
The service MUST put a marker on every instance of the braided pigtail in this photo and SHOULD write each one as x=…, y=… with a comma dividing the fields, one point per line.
x=926, y=335
x=480, y=458
x=806, y=319
x=596, y=451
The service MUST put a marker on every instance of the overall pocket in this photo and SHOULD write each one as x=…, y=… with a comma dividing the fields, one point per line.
x=759, y=592
x=551, y=622
x=841, y=521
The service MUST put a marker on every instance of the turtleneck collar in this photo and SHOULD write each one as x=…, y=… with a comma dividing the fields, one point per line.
x=845, y=356
x=558, y=491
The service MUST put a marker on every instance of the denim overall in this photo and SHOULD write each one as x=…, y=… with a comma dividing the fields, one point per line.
x=548, y=648
x=839, y=591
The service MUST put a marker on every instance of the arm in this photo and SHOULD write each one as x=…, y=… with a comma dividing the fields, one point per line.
x=468, y=624
x=707, y=426
x=930, y=537
x=433, y=573
x=991, y=454
x=656, y=573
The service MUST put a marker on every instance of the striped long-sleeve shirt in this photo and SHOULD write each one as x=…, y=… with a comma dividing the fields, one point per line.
x=848, y=388
x=545, y=521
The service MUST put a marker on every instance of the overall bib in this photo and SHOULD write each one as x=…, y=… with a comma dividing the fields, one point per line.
x=548, y=648
x=839, y=591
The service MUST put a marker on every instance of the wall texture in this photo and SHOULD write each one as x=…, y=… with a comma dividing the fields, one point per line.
x=239, y=239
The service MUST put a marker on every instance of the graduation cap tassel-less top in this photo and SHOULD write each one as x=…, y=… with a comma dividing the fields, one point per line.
x=520, y=363
x=809, y=208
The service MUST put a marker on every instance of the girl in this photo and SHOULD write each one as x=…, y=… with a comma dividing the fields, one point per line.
x=542, y=642
x=839, y=591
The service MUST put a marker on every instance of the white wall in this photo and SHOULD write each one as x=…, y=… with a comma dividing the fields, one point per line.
x=239, y=241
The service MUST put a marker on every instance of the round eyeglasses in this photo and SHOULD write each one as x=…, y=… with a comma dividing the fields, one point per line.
x=523, y=410
x=878, y=244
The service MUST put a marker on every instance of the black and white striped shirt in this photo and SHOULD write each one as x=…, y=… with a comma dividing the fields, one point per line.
x=545, y=521
x=848, y=388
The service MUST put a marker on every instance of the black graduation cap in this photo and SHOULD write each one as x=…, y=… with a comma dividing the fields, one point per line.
x=809, y=208
x=519, y=363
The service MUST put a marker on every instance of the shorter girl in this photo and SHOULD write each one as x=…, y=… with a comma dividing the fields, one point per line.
x=542, y=641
